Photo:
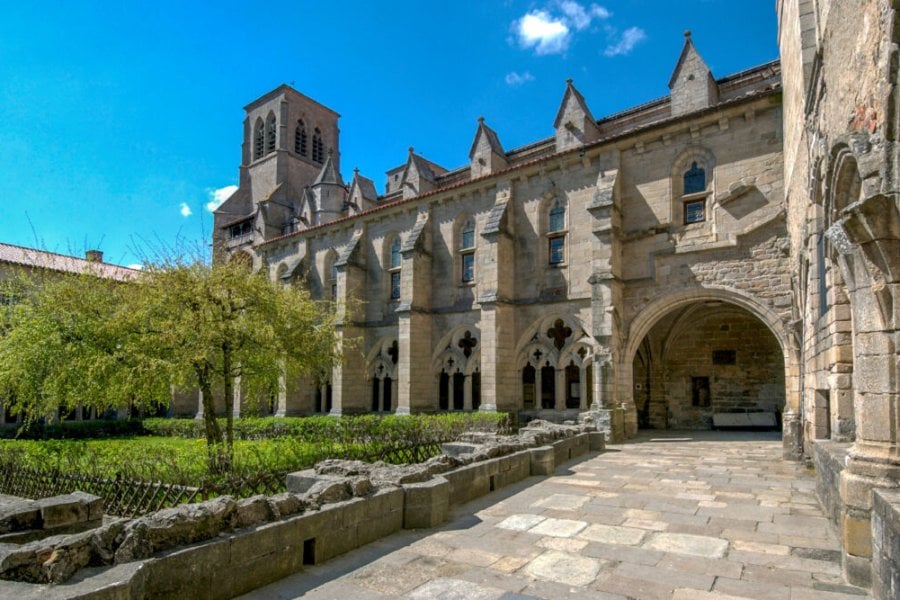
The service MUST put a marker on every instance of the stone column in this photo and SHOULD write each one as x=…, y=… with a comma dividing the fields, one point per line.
x=236, y=398
x=870, y=261
x=467, y=393
x=500, y=387
x=348, y=380
x=415, y=389
x=582, y=388
x=560, y=385
x=199, y=415
x=281, y=408
x=606, y=301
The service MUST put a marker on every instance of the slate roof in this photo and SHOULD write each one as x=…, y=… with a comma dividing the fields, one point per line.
x=41, y=259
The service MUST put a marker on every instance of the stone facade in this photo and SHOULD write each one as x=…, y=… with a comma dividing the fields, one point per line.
x=841, y=172
x=562, y=277
x=731, y=247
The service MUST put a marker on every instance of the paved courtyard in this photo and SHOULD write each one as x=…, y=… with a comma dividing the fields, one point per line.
x=687, y=516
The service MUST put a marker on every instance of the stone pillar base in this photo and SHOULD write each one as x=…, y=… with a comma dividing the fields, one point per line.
x=629, y=421
x=857, y=483
x=609, y=422
x=791, y=436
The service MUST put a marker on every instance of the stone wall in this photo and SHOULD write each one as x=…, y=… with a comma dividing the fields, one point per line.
x=886, y=544
x=830, y=458
x=222, y=547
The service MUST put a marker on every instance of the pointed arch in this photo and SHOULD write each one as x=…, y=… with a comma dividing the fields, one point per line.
x=300, y=145
x=318, y=146
x=691, y=182
x=259, y=139
x=271, y=133
x=392, y=262
x=329, y=276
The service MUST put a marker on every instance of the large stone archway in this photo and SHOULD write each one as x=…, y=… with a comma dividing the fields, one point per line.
x=708, y=351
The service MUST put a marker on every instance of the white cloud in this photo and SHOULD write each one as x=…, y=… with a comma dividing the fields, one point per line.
x=550, y=33
x=630, y=38
x=544, y=33
x=218, y=196
x=184, y=209
x=516, y=79
x=579, y=16
x=136, y=266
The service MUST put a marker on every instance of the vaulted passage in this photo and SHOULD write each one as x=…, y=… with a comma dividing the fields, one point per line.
x=708, y=360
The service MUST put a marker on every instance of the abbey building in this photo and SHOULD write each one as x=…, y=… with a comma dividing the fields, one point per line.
x=636, y=264
x=727, y=255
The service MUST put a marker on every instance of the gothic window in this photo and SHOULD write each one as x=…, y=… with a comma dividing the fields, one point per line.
x=334, y=289
x=271, y=132
x=239, y=230
x=694, y=179
x=300, y=138
x=694, y=190
x=259, y=139
x=556, y=234
x=395, y=269
x=467, y=251
x=528, y=382
x=318, y=147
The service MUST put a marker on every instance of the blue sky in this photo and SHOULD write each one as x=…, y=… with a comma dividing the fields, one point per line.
x=121, y=121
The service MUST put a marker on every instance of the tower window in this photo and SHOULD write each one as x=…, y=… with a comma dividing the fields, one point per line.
x=240, y=229
x=318, y=147
x=467, y=251
x=259, y=140
x=300, y=139
x=271, y=132
x=556, y=234
x=395, y=269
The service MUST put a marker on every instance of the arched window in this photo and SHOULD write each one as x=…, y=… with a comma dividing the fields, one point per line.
x=694, y=185
x=334, y=278
x=259, y=140
x=556, y=234
x=271, y=132
x=467, y=251
x=692, y=173
x=694, y=179
x=528, y=383
x=395, y=269
x=318, y=147
x=300, y=138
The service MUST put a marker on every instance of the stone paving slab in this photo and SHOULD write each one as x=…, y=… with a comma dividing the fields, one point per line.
x=687, y=515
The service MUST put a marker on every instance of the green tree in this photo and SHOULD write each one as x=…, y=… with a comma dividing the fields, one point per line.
x=80, y=340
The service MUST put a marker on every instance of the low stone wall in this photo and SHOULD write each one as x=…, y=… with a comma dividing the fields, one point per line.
x=222, y=548
x=886, y=544
x=28, y=520
x=830, y=458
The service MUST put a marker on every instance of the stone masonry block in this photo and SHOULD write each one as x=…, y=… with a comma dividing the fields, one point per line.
x=93, y=503
x=857, y=535
x=18, y=516
x=60, y=511
x=543, y=460
x=597, y=441
x=300, y=481
x=426, y=504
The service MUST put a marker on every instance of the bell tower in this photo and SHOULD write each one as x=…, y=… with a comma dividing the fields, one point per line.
x=288, y=140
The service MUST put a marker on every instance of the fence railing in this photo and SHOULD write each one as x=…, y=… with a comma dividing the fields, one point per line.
x=126, y=497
